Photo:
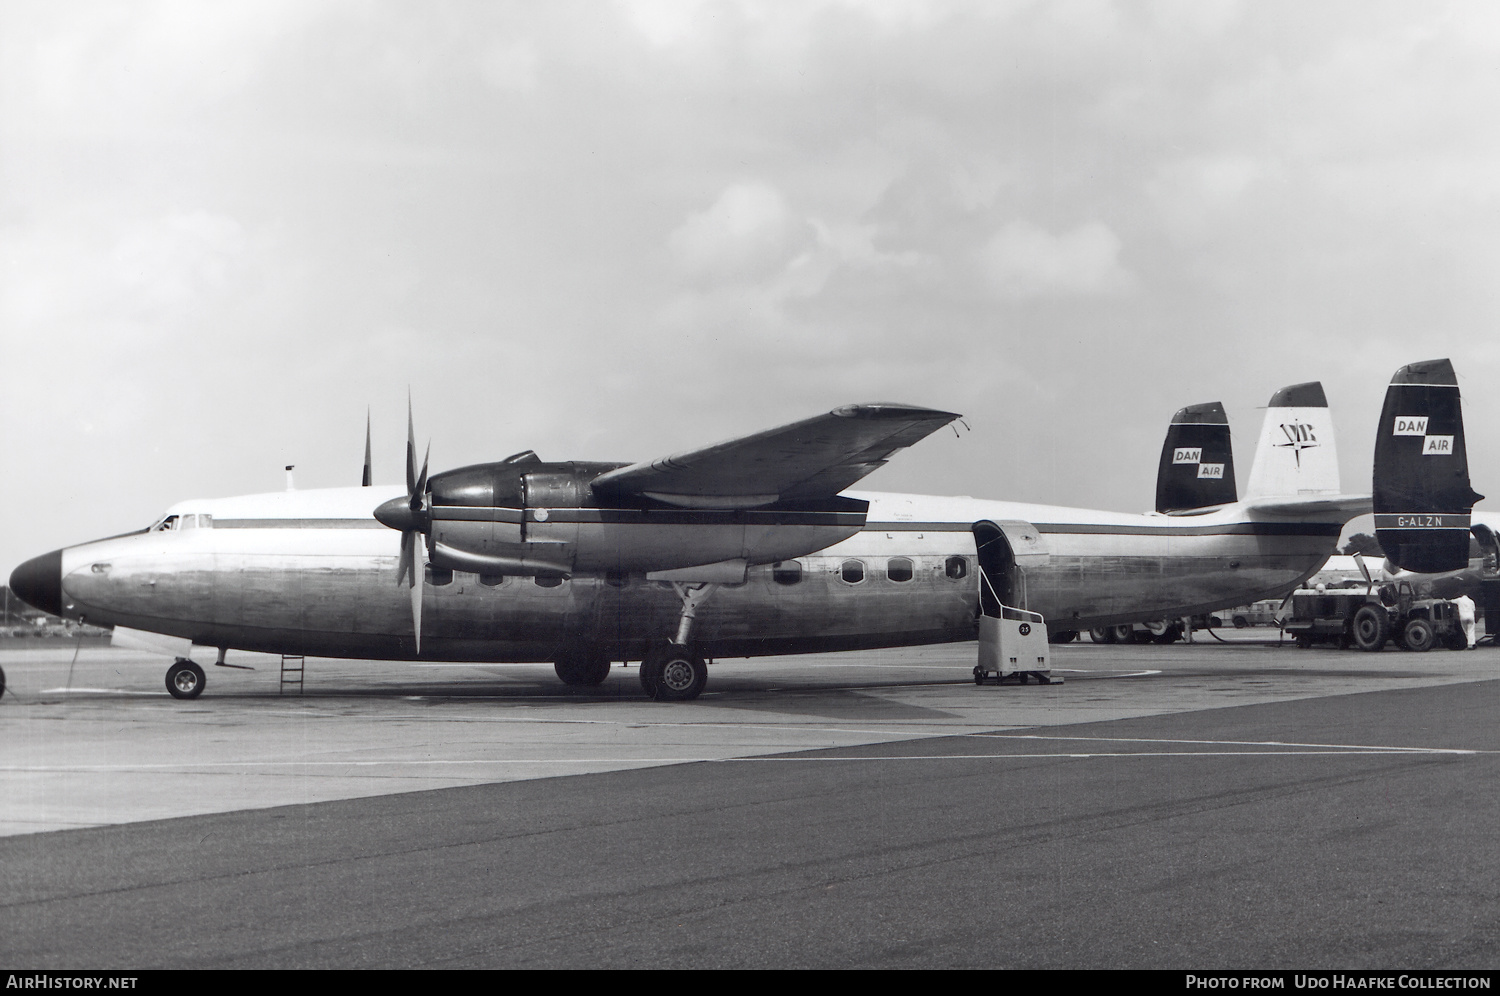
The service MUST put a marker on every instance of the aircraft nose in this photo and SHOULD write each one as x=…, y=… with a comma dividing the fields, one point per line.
x=38, y=582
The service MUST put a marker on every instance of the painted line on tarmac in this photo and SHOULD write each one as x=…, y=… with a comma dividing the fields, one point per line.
x=699, y=759
x=1352, y=748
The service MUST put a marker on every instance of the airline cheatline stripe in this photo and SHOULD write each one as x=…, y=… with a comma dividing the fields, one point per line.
x=1096, y=528
x=852, y=519
x=1424, y=520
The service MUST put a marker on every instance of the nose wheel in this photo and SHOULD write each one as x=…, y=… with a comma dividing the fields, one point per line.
x=185, y=679
x=673, y=673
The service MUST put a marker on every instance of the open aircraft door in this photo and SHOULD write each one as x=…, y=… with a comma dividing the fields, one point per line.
x=1012, y=640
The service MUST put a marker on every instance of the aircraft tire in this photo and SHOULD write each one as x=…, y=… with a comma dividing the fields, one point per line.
x=1171, y=634
x=1419, y=636
x=1102, y=634
x=586, y=667
x=673, y=674
x=1063, y=636
x=1123, y=633
x=1370, y=628
x=185, y=680
x=2, y=681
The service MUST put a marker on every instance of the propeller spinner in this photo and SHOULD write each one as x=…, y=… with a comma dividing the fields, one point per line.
x=413, y=518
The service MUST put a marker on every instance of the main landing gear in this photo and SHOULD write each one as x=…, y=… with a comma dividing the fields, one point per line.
x=675, y=672
x=185, y=679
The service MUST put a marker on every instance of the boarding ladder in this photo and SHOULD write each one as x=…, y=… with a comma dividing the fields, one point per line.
x=291, y=672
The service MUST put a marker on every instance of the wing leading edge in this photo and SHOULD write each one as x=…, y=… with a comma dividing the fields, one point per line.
x=812, y=459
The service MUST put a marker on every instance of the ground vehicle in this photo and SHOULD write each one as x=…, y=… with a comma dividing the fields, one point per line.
x=1368, y=618
x=1262, y=613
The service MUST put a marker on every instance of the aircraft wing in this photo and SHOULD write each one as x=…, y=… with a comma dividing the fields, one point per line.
x=814, y=458
x=1351, y=505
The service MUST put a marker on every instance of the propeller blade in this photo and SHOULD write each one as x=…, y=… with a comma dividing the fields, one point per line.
x=366, y=479
x=417, y=585
x=417, y=496
x=407, y=547
x=411, y=452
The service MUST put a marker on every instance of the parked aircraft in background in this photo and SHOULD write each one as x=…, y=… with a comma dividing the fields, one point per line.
x=750, y=547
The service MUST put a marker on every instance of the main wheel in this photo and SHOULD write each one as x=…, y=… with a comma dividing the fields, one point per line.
x=1102, y=634
x=1063, y=636
x=1419, y=635
x=2, y=681
x=582, y=666
x=673, y=674
x=1370, y=628
x=185, y=680
x=1171, y=634
x=1123, y=633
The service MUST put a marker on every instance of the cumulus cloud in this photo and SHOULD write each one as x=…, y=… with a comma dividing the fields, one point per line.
x=1024, y=261
x=747, y=234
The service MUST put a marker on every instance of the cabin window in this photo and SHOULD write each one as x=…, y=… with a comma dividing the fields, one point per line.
x=439, y=576
x=786, y=572
x=491, y=580
x=852, y=571
x=898, y=569
x=548, y=580
x=956, y=568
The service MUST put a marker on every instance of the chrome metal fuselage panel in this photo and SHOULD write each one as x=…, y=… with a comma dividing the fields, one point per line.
x=314, y=573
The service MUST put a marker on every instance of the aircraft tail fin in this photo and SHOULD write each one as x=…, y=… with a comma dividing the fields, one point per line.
x=1422, y=497
x=1197, y=466
x=1296, y=455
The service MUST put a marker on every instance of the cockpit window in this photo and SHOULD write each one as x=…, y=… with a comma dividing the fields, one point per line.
x=166, y=525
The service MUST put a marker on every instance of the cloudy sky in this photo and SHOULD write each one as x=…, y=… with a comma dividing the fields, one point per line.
x=615, y=230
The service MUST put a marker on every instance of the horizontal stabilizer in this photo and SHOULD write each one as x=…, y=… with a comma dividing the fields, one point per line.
x=1422, y=497
x=1197, y=466
x=1348, y=505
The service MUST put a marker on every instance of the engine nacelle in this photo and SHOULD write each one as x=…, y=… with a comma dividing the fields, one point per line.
x=523, y=516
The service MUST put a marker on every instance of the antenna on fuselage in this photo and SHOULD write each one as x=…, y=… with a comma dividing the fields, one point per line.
x=289, y=485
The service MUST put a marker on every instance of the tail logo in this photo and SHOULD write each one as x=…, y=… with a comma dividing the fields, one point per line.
x=1410, y=426
x=1437, y=445
x=1211, y=471
x=1187, y=454
x=1299, y=436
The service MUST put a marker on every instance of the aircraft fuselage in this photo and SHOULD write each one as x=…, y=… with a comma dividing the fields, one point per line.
x=314, y=573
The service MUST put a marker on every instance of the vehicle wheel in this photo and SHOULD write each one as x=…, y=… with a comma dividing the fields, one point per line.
x=2, y=681
x=1370, y=628
x=1102, y=634
x=1063, y=636
x=582, y=666
x=1455, y=640
x=1419, y=636
x=1304, y=641
x=1240, y=622
x=1172, y=634
x=673, y=674
x=978, y=675
x=185, y=680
